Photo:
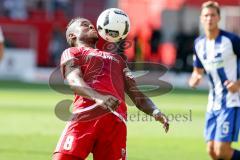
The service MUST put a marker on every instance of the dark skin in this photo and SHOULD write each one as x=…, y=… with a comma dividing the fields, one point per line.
x=83, y=34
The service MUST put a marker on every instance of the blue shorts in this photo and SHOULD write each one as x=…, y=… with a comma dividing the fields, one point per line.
x=223, y=125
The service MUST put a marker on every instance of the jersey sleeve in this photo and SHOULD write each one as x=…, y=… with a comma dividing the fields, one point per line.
x=196, y=61
x=236, y=45
x=69, y=57
x=129, y=79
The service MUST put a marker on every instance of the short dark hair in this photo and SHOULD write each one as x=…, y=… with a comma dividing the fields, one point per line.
x=70, y=41
x=74, y=20
x=211, y=4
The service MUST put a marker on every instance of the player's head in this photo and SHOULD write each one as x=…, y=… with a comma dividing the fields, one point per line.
x=80, y=30
x=210, y=15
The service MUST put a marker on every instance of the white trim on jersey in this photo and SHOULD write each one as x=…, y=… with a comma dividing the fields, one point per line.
x=220, y=59
x=60, y=141
x=85, y=109
x=66, y=56
x=96, y=105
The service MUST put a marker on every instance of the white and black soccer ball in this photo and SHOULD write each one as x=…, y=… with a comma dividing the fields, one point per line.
x=113, y=25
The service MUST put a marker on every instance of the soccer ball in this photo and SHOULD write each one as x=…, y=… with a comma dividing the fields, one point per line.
x=113, y=25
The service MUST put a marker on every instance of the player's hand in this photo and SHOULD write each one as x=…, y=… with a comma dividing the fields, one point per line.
x=232, y=86
x=194, y=80
x=163, y=119
x=107, y=101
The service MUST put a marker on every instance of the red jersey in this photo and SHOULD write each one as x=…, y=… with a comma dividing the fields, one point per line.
x=102, y=71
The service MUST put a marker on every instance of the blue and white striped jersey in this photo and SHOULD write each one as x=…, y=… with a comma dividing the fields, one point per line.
x=220, y=58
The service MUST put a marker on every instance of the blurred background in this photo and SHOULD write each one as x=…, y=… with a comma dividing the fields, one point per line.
x=162, y=31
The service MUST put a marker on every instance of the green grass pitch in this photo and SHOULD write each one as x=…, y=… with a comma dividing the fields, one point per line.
x=29, y=129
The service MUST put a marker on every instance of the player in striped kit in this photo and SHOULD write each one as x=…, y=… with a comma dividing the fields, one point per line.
x=218, y=52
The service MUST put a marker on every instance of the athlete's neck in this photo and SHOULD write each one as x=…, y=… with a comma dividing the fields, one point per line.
x=83, y=44
x=212, y=34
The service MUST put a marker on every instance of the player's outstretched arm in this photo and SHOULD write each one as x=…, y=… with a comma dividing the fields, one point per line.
x=73, y=75
x=143, y=103
x=195, y=77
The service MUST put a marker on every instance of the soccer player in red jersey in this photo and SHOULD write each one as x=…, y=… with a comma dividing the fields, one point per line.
x=98, y=78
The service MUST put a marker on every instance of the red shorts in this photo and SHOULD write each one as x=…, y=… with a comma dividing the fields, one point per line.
x=104, y=137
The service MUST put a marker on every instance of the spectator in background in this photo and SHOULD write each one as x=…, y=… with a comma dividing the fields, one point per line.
x=57, y=45
x=184, y=42
x=16, y=9
x=1, y=44
x=155, y=40
x=63, y=6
